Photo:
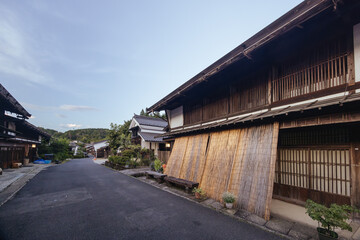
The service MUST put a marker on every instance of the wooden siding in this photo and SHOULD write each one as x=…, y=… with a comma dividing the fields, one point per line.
x=248, y=94
x=314, y=72
x=241, y=161
x=9, y=155
x=163, y=156
x=319, y=69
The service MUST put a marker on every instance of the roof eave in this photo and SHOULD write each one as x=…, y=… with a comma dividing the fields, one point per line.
x=285, y=23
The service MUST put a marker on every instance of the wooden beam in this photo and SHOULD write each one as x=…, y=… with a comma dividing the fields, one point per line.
x=322, y=120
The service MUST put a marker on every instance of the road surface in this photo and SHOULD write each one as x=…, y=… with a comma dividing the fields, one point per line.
x=83, y=200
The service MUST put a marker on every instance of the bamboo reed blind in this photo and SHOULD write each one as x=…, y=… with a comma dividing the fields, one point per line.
x=326, y=170
x=241, y=161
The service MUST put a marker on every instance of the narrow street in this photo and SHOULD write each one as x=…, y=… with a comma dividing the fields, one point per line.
x=83, y=200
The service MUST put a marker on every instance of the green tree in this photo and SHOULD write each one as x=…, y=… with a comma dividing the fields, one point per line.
x=57, y=146
x=119, y=136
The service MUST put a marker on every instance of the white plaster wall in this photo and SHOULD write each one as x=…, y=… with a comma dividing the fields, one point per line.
x=154, y=146
x=176, y=118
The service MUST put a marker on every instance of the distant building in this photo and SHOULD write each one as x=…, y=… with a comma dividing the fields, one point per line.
x=98, y=149
x=145, y=131
x=18, y=138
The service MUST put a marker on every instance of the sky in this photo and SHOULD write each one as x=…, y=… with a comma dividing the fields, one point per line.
x=85, y=63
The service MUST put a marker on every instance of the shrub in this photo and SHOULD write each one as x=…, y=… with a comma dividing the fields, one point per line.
x=228, y=197
x=145, y=162
x=200, y=191
x=79, y=155
x=117, y=160
x=330, y=218
x=157, y=165
x=128, y=154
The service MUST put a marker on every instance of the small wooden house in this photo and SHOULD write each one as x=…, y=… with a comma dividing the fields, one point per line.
x=278, y=116
x=100, y=149
x=18, y=138
x=145, y=130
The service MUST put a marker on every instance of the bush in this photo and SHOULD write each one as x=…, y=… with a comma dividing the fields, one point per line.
x=58, y=147
x=128, y=154
x=330, y=218
x=118, y=160
x=158, y=165
x=145, y=162
x=228, y=197
x=79, y=155
x=200, y=191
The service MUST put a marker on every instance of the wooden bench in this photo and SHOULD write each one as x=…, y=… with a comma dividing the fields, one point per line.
x=16, y=165
x=159, y=177
x=189, y=185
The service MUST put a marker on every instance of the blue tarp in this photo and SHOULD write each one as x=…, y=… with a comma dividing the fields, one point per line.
x=42, y=161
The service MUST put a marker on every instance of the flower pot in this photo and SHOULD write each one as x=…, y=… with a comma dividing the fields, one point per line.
x=325, y=234
x=197, y=195
x=229, y=205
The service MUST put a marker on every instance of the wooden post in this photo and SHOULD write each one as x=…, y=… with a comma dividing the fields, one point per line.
x=350, y=60
x=355, y=175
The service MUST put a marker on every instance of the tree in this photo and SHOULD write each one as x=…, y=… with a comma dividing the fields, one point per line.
x=119, y=136
x=153, y=114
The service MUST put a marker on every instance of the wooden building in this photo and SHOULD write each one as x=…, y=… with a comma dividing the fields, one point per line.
x=145, y=130
x=99, y=149
x=278, y=116
x=18, y=138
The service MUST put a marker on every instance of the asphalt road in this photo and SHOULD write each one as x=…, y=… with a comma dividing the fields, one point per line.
x=84, y=200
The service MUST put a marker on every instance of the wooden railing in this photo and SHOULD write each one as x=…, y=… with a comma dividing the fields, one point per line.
x=296, y=82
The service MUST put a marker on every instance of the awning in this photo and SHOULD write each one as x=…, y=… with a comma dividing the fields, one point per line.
x=266, y=113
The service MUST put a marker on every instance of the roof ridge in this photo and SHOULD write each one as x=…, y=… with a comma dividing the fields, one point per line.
x=149, y=117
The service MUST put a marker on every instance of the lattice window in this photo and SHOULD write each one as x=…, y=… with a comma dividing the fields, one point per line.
x=326, y=170
x=330, y=171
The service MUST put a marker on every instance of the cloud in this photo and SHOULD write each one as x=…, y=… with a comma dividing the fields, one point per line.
x=15, y=51
x=59, y=115
x=70, y=125
x=77, y=108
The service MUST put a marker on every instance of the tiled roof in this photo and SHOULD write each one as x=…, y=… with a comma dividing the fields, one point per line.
x=151, y=137
x=150, y=121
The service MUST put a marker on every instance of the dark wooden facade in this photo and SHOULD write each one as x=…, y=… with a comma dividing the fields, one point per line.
x=324, y=68
x=18, y=138
x=309, y=62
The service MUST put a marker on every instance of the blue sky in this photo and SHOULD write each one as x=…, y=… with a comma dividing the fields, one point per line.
x=84, y=63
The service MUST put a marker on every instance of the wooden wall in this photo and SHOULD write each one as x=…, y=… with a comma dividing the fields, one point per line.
x=241, y=161
x=300, y=75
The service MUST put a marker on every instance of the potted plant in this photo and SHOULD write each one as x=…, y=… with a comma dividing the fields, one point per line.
x=329, y=218
x=228, y=199
x=199, y=193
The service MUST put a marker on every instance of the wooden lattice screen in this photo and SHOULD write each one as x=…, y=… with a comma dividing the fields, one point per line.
x=322, y=68
x=317, y=169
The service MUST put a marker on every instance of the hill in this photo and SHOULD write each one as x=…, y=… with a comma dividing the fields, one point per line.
x=86, y=135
